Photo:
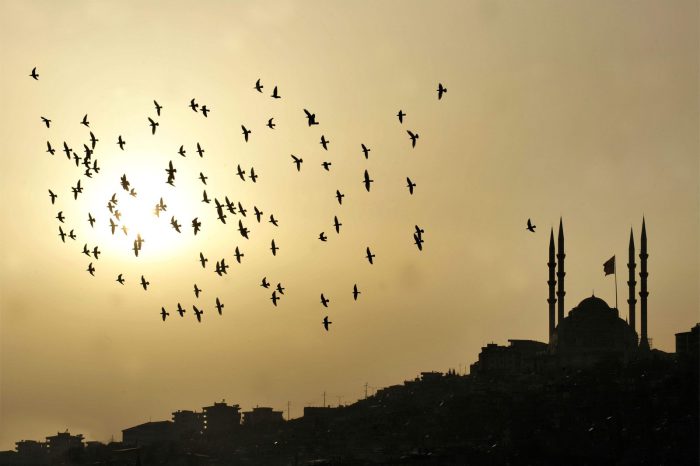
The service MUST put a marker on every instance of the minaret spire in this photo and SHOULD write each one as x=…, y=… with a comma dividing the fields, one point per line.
x=643, y=293
x=631, y=283
x=551, y=282
x=560, y=272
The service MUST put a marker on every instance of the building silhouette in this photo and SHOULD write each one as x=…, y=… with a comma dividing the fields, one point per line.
x=148, y=433
x=262, y=417
x=591, y=333
x=221, y=419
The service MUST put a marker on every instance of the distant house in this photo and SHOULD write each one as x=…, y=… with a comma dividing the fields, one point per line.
x=221, y=419
x=188, y=424
x=62, y=442
x=262, y=417
x=148, y=433
x=688, y=344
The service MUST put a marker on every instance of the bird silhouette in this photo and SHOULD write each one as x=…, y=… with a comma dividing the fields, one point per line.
x=238, y=255
x=280, y=288
x=323, y=237
x=265, y=283
x=441, y=90
x=270, y=124
x=144, y=283
x=274, y=298
x=93, y=140
x=52, y=196
x=274, y=248
x=96, y=252
x=120, y=279
x=91, y=269
x=193, y=105
x=365, y=151
x=326, y=166
x=61, y=234
x=197, y=291
x=203, y=260
x=273, y=220
x=158, y=107
x=85, y=121
x=258, y=87
x=310, y=118
x=339, y=196
x=121, y=142
x=198, y=313
x=242, y=230
x=205, y=199
x=336, y=224
x=176, y=226
x=240, y=172
x=370, y=256
x=414, y=137
x=86, y=251
x=182, y=151
x=530, y=226
x=246, y=132
x=324, y=142
x=200, y=151
x=219, y=305
x=60, y=217
x=324, y=300
x=196, y=225
x=71, y=235
x=355, y=292
x=326, y=323
x=163, y=313
x=418, y=241
x=401, y=114
x=50, y=149
x=275, y=94
x=258, y=213
x=180, y=310
x=153, y=125
x=253, y=177
x=297, y=161
x=34, y=74
x=46, y=121
x=203, y=178
x=367, y=181
x=205, y=111
x=410, y=185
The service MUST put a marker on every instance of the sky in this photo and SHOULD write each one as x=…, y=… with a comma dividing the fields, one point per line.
x=585, y=111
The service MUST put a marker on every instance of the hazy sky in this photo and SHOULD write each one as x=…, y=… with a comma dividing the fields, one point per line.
x=585, y=110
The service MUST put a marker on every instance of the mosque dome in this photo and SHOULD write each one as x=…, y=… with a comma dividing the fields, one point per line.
x=591, y=333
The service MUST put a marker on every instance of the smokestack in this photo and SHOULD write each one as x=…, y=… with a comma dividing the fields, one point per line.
x=643, y=293
x=551, y=282
x=560, y=271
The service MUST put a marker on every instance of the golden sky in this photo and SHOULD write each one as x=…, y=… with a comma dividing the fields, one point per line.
x=584, y=110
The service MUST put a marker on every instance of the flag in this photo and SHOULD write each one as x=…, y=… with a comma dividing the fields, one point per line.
x=609, y=266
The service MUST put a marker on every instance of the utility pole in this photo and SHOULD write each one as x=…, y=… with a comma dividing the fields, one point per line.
x=289, y=415
x=324, y=398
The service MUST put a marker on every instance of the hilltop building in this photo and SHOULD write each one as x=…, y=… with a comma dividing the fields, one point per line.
x=591, y=333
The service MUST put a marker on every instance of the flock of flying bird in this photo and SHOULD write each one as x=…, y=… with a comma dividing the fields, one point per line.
x=221, y=267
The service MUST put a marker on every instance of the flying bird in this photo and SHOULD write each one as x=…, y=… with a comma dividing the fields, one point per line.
x=203, y=178
x=203, y=260
x=336, y=224
x=274, y=298
x=401, y=114
x=196, y=224
x=246, y=132
x=46, y=121
x=197, y=290
x=120, y=279
x=370, y=257
x=280, y=288
x=205, y=198
x=198, y=313
x=310, y=117
x=240, y=172
x=238, y=255
x=241, y=210
x=182, y=151
x=265, y=283
x=158, y=107
x=61, y=234
x=253, y=177
x=200, y=151
x=121, y=142
x=367, y=181
x=418, y=241
x=205, y=111
x=297, y=161
x=71, y=235
x=365, y=151
x=219, y=305
x=326, y=166
x=441, y=90
x=85, y=121
x=324, y=142
x=323, y=237
x=324, y=300
x=93, y=140
x=258, y=87
x=180, y=310
x=91, y=269
x=96, y=252
x=258, y=213
x=112, y=225
x=355, y=292
x=410, y=185
x=274, y=248
x=326, y=323
x=413, y=136
x=60, y=217
x=52, y=196
x=273, y=220
x=339, y=196
x=242, y=230
x=50, y=149
x=86, y=251
x=163, y=313
x=275, y=94
x=530, y=226
x=124, y=183
x=174, y=224
x=270, y=124
x=194, y=105
x=153, y=125
x=77, y=190
x=34, y=74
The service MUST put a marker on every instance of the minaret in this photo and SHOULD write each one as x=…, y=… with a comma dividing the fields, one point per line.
x=631, y=283
x=551, y=282
x=560, y=272
x=643, y=293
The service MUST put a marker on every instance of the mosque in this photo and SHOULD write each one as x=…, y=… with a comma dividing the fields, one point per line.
x=591, y=333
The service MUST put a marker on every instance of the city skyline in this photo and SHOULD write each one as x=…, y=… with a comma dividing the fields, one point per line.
x=586, y=113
